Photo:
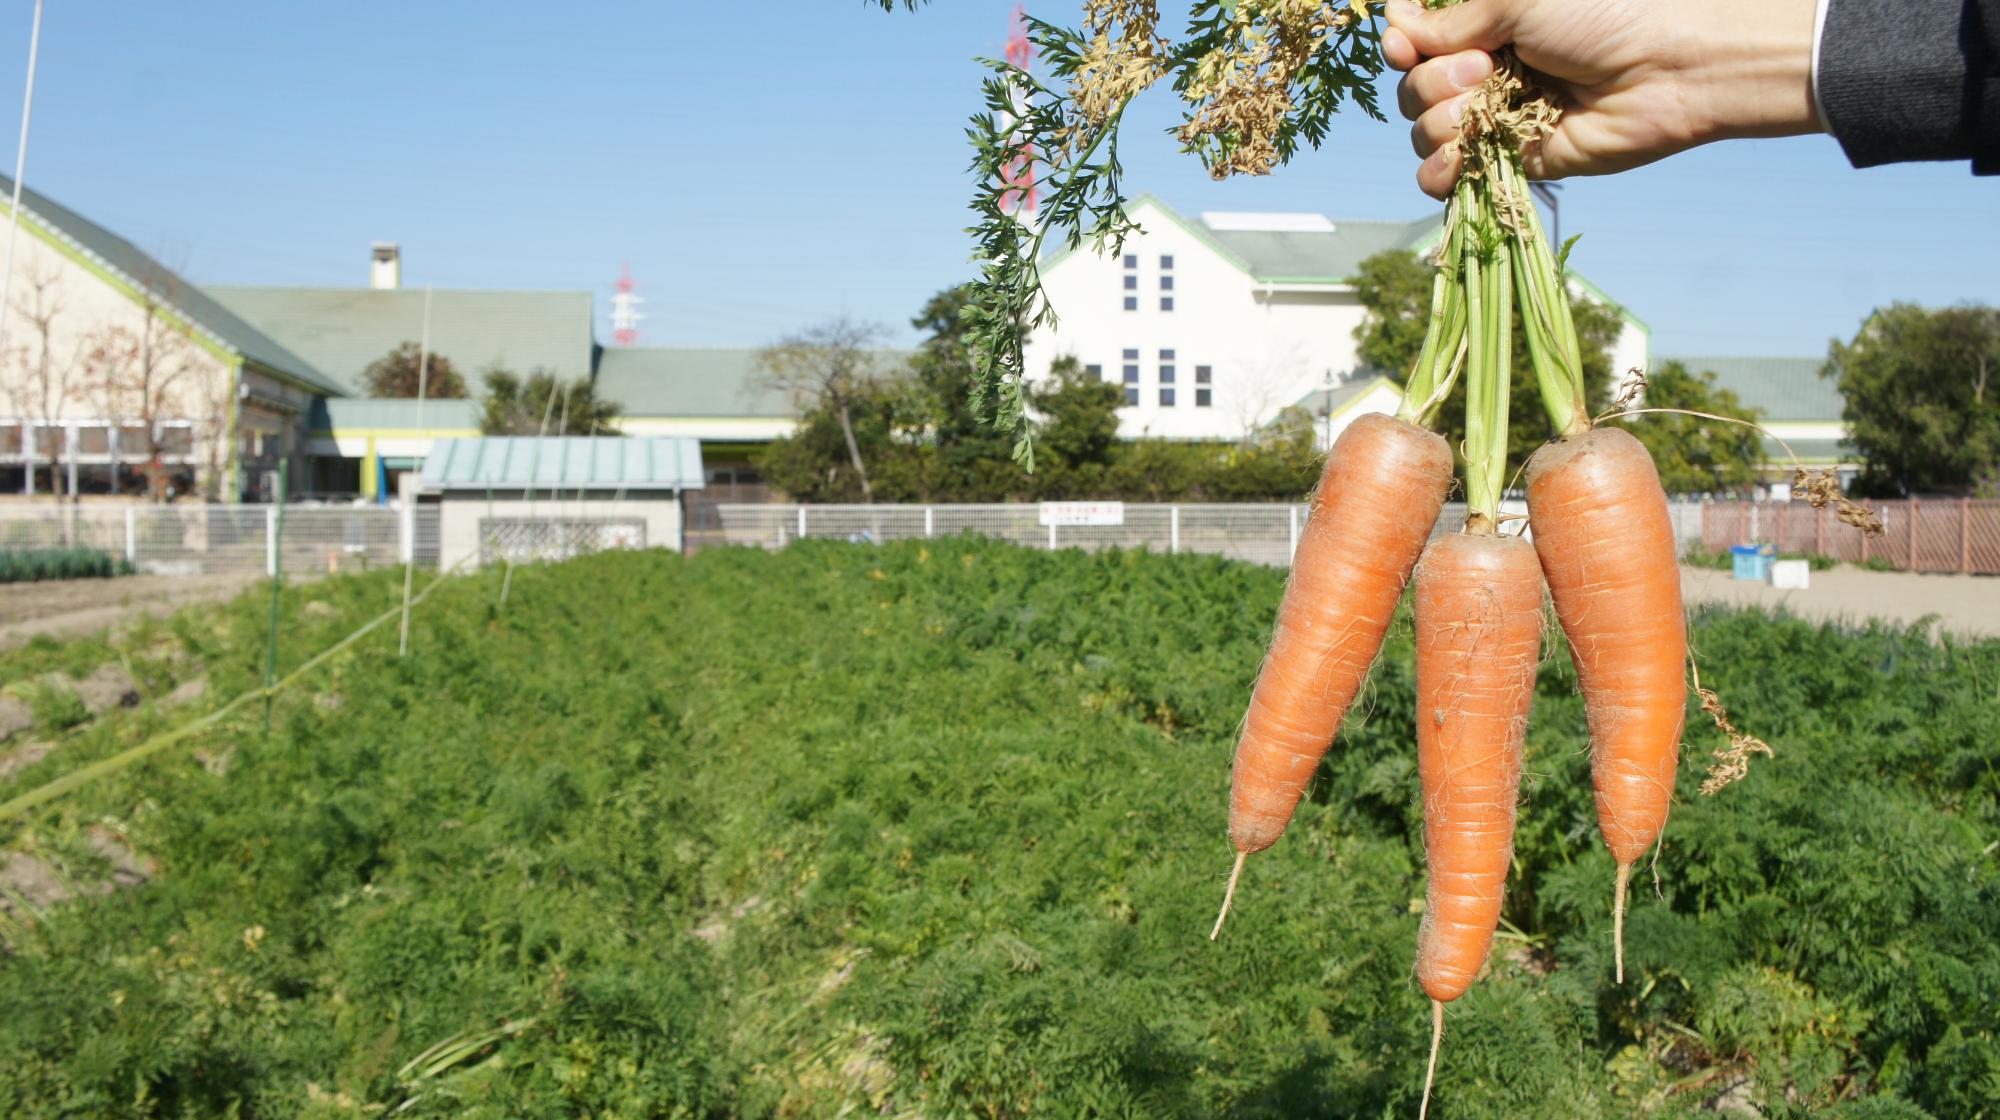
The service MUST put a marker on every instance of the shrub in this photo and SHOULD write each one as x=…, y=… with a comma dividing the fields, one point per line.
x=27, y=564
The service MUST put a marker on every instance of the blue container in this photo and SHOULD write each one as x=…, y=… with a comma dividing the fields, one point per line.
x=1753, y=561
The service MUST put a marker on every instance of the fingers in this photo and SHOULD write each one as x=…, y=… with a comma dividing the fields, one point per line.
x=1419, y=31
x=1438, y=125
x=1438, y=79
x=1439, y=173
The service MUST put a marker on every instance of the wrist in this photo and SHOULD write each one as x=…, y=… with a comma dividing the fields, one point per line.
x=1747, y=69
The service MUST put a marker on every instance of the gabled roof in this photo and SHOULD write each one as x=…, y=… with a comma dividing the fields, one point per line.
x=1340, y=398
x=1320, y=257
x=564, y=463
x=342, y=330
x=374, y=414
x=663, y=381
x=1783, y=388
x=127, y=263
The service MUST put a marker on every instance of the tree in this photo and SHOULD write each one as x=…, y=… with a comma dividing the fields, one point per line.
x=1697, y=456
x=49, y=371
x=1923, y=398
x=145, y=373
x=1397, y=297
x=829, y=368
x=400, y=372
x=543, y=404
x=1079, y=416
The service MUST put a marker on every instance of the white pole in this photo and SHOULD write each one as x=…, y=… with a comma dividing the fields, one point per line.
x=1052, y=536
x=132, y=535
x=20, y=169
x=927, y=522
x=1292, y=515
x=271, y=541
x=408, y=521
x=1173, y=529
x=802, y=521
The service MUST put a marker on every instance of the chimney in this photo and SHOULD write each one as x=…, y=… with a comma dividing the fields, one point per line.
x=385, y=271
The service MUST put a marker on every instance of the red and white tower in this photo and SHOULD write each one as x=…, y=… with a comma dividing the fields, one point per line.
x=1018, y=175
x=625, y=313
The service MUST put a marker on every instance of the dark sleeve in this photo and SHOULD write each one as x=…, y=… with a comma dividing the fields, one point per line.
x=1917, y=80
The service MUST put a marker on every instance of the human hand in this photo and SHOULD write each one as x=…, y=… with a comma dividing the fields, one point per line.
x=1637, y=80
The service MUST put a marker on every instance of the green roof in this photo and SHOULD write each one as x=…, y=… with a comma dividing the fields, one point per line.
x=1318, y=256
x=1334, y=401
x=564, y=463
x=141, y=270
x=1813, y=451
x=1783, y=388
x=342, y=330
x=375, y=414
x=669, y=382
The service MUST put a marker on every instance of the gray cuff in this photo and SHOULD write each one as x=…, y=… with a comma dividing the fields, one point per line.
x=1898, y=82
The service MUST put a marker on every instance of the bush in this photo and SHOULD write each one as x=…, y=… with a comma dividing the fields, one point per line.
x=28, y=564
x=937, y=828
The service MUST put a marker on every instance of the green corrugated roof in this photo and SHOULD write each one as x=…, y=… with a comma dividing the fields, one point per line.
x=141, y=270
x=564, y=463
x=1318, y=256
x=1783, y=388
x=1814, y=451
x=669, y=382
x=372, y=414
x=342, y=330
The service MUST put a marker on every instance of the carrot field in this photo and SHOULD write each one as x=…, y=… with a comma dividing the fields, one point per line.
x=938, y=829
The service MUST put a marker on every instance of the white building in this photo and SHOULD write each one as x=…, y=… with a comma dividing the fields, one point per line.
x=1214, y=326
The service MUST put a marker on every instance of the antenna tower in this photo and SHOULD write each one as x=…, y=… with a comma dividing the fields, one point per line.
x=625, y=313
x=1018, y=176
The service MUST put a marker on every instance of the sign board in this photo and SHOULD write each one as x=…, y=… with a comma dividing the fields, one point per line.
x=1083, y=513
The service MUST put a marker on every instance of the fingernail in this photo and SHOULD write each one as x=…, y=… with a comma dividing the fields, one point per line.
x=1467, y=71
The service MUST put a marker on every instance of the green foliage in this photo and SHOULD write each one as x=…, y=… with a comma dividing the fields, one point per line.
x=543, y=404
x=1923, y=399
x=937, y=828
x=23, y=565
x=1395, y=288
x=401, y=371
x=1694, y=455
x=1723, y=561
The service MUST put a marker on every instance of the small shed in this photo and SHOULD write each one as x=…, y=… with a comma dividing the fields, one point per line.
x=553, y=497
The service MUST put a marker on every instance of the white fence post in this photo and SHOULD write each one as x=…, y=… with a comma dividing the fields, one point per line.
x=802, y=521
x=1173, y=529
x=1052, y=536
x=131, y=535
x=927, y=523
x=407, y=526
x=1292, y=517
x=271, y=541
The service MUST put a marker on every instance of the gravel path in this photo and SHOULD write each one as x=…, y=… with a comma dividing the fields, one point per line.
x=1965, y=605
x=70, y=607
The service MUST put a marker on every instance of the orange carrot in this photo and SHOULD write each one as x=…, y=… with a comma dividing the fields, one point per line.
x=1479, y=634
x=1607, y=546
x=1378, y=498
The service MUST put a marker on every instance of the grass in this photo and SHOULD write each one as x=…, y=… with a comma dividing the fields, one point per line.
x=938, y=829
x=29, y=564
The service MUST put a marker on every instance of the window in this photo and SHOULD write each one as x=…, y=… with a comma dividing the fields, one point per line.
x=1132, y=354
x=1131, y=372
x=1204, y=375
x=1166, y=355
x=1131, y=395
x=1096, y=372
x=1202, y=398
x=1131, y=281
x=1166, y=282
x=1166, y=397
x=1166, y=303
x=1131, y=260
x=1166, y=375
x=1131, y=303
x=1166, y=262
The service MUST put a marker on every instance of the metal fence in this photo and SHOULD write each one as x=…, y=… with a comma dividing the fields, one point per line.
x=1919, y=535
x=1260, y=533
x=230, y=540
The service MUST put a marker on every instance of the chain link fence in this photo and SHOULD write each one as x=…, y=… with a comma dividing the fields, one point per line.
x=231, y=540
x=1918, y=535
x=1259, y=533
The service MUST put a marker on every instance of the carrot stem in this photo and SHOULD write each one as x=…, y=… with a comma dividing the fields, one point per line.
x=1228, y=895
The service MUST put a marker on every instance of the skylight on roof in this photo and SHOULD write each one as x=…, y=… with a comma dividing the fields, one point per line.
x=1267, y=221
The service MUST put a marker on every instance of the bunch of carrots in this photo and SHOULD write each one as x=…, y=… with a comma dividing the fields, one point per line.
x=1602, y=541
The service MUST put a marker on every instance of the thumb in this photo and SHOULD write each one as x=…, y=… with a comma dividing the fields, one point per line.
x=1482, y=25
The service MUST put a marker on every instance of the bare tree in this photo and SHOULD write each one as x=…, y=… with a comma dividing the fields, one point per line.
x=50, y=373
x=1257, y=391
x=827, y=367
x=141, y=373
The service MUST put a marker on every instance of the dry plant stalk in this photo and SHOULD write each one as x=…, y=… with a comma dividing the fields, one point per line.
x=1821, y=488
x=1242, y=92
x=1731, y=762
x=1630, y=390
x=1123, y=55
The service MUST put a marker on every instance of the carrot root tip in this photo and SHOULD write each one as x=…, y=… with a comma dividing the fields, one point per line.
x=1618, y=919
x=1228, y=895
x=1430, y=1068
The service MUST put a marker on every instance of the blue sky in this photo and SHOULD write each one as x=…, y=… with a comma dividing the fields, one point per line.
x=764, y=166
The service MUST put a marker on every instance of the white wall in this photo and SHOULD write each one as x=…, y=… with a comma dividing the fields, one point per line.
x=460, y=513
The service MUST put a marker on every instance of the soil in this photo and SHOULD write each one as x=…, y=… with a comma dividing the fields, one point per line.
x=1963, y=605
x=71, y=607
